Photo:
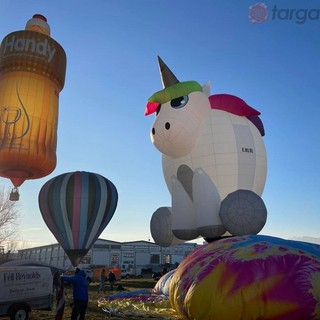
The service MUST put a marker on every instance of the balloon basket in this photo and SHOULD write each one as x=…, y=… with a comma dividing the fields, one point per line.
x=14, y=195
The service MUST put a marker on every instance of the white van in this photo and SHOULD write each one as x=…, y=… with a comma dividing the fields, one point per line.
x=23, y=289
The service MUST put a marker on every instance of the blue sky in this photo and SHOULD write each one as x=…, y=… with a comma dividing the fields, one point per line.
x=112, y=48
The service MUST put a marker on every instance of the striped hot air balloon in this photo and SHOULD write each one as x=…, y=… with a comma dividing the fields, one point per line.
x=77, y=207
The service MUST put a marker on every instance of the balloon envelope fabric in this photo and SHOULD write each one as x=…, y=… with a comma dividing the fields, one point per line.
x=30, y=82
x=249, y=277
x=76, y=207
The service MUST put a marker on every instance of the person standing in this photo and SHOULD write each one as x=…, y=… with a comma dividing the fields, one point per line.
x=80, y=293
x=164, y=270
x=60, y=302
x=112, y=280
x=56, y=283
x=103, y=278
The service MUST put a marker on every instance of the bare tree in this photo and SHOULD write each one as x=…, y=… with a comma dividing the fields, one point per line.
x=9, y=217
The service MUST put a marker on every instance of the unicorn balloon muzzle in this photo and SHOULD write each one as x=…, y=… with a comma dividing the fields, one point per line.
x=175, y=131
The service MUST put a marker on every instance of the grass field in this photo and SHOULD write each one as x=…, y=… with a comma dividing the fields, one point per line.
x=93, y=311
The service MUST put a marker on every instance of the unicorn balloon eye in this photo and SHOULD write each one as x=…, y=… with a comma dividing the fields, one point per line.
x=179, y=102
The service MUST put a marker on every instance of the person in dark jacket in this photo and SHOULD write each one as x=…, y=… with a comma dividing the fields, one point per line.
x=112, y=280
x=56, y=283
x=102, y=281
x=80, y=293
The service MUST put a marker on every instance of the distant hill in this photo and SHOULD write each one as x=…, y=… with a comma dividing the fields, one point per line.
x=307, y=239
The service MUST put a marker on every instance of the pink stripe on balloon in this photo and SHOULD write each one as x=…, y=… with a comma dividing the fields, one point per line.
x=76, y=209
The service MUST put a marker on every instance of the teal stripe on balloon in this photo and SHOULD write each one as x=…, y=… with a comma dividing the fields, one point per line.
x=57, y=208
x=99, y=214
x=66, y=200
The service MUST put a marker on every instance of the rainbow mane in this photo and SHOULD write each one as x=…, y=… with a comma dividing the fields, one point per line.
x=237, y=106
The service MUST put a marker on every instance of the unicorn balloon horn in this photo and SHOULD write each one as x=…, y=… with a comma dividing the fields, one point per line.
x=167, y=76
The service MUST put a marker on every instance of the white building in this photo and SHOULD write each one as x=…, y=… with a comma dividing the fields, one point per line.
x=132, y=257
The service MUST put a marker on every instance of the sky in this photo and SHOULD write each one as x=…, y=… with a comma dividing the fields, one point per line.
x=112, y=48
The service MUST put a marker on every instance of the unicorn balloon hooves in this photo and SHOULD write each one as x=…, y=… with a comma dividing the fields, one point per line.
x=213, y=160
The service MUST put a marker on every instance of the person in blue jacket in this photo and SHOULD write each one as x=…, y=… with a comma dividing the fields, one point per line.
x=80, y=293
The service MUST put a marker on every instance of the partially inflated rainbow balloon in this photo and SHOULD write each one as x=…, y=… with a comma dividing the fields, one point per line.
x=249, y=277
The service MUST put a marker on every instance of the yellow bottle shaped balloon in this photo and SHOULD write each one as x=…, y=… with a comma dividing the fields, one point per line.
x=32, y=74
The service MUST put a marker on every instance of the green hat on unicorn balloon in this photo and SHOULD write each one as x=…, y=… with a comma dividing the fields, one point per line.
x=172, y=88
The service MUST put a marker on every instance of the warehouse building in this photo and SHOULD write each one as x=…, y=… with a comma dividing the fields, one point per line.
x=133, y=258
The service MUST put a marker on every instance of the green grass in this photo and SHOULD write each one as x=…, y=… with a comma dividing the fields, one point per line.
x=93, y=312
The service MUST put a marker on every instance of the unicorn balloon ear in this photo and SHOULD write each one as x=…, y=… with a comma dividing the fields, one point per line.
x=206, y=89
x=167, y=76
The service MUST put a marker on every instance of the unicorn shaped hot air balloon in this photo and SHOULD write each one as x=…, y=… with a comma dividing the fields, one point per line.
x=213, y=160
